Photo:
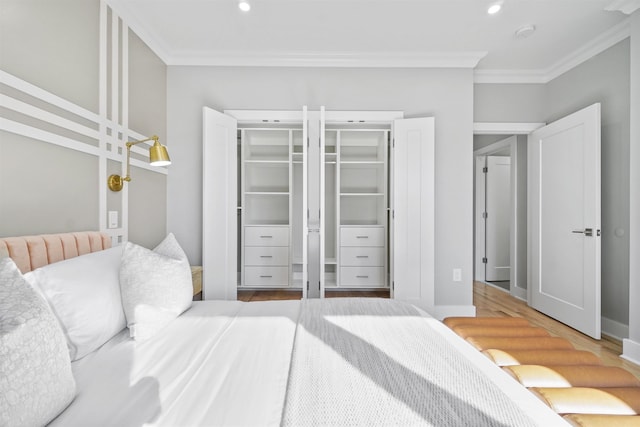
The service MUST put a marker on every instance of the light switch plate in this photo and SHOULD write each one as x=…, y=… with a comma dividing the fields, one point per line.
x=457, y=275
x=113, y=219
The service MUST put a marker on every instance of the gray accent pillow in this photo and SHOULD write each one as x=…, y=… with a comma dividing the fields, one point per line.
x=36, y=383
x=156, y=286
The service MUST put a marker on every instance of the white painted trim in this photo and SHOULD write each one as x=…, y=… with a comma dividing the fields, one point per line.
x=442, y=311
x=496, y=128
x=45, y=136
x=598, y=45
x=384, y=117
x=614, y=328
x=631, y=351
x=479, y=197
x=257, y=116
x=509, y=76
x=329, y=59
x=102, y=128
x=121, y=8
x=592, y=48
x=46, y=116
x=145, y=165
x=519, y=293
x=625, y=6
x=48, y=97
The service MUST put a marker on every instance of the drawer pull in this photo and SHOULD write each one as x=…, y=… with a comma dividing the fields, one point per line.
x=362, y=277
x=266, y=277
x=266, y=237
x=362, y=256
x=362, y=237
x=266, y=256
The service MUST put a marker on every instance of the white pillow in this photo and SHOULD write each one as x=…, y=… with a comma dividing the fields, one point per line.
x=84, y=294
x=36, y=383
x=156, y=286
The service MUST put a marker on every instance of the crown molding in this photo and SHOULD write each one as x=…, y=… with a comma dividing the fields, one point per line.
x=624, y=6
x=510, y=76
x=120, y=8
x=318, y=59
x=598, y=45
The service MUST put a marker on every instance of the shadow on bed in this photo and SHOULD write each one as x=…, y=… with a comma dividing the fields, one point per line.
x=107, y=395
x=385, y=367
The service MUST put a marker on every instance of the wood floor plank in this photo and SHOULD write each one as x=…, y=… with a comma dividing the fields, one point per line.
x=494, y=302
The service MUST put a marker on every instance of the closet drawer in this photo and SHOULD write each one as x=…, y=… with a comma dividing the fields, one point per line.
x=266, y=255
x=359, y=255
x=266, y=276
x=266, y=236
x=366, y=277
x=361, y=236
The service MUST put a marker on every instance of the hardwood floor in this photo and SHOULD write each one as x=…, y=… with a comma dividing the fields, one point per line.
x=493, y=302
x=265, y=295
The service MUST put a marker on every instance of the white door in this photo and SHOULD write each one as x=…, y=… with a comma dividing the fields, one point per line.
x=497, y=218
x=564, y=220
x=305, y=204
x=323, y=211
x=413, y=212
x=220, y=203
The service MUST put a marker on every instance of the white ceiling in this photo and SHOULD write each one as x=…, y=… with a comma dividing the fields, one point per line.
x=396, y=33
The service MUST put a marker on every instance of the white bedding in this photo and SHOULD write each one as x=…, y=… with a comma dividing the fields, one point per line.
x=355, y=361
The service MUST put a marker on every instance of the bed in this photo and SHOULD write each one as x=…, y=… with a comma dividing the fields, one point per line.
x=351, y=361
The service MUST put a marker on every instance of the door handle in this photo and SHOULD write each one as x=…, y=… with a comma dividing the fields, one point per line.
x=586, y=232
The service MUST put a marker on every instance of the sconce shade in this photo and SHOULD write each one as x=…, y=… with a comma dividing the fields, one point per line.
x=158, y=155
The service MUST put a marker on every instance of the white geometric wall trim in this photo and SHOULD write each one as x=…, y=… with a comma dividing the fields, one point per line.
x=103, y=135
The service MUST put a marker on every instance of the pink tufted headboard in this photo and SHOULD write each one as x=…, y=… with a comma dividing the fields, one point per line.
x=31, y=252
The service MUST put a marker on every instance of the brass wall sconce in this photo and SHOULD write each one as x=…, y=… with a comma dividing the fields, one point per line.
x=158, y=156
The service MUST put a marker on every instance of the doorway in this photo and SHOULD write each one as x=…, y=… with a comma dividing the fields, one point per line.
x=500, y=212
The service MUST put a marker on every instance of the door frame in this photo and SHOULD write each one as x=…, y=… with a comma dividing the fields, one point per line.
x=509, y=130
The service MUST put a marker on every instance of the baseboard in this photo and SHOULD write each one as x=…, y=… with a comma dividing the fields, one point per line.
x=614, y=329
x=631, y=351
x=519, y=293
x=442, y=311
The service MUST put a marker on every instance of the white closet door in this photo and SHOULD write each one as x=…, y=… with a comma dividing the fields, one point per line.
x=323, y=174
x=305, y=203
x=220, y=203
x=413, y=213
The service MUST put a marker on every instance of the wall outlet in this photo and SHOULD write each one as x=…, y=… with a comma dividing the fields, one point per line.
x=457, y=275
x=113, y=219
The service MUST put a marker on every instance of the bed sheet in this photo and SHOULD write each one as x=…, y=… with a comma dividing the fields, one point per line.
x=219, y=363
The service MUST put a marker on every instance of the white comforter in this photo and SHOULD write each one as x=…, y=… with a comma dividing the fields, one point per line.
x=315, y=362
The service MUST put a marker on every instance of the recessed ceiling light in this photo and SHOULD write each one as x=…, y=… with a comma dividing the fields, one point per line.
x=494, y=8
x=244, y=6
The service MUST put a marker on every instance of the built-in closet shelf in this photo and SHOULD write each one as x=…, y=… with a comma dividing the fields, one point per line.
x=360, y=164
x=283, y=162
x=266, y=193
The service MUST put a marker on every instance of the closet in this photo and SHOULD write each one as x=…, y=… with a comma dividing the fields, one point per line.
x=310, y=200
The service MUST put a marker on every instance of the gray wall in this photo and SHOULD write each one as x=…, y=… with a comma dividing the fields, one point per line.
x=147, y=115
x=604, y=78
x=509, y=103
x=445, y=94
x=46, y=188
